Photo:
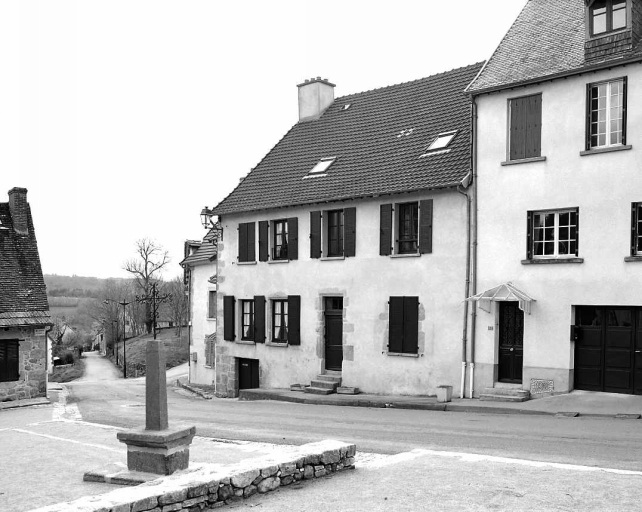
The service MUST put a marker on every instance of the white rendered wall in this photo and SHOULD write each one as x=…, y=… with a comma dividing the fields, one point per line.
x=201, y=324
x=366, y=283
x=602, y=186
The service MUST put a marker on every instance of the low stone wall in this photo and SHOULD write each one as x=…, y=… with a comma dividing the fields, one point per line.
x=207, y=487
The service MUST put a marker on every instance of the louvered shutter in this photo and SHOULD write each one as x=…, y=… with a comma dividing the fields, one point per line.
x=294, y=319
x=242, y=242
x=350, y=231
x=425, y=226
x=251, y=241
x=293, y=238
x=395, y=324
x=529, y=235
x=624, y=109
x=634, y=228
x=410, y=325
x=228, y=318
x=517, y=129
x=263, y=240
x=315, y=234
x=259, y=319
x=385, y=229
x=534, y=126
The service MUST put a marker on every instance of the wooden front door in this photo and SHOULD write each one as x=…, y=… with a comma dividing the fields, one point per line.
x=248, y=373
x=511, y=342
x=333, y=315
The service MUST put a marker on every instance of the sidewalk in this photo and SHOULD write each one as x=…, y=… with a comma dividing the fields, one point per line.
x=580, y=403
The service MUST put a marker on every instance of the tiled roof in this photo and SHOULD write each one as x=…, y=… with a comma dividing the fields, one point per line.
x=207, y=250
x=22, y=287
x=373, y=157
x=24, y=318
x=546, y=39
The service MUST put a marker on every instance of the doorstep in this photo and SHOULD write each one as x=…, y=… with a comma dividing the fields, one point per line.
x=27, y=402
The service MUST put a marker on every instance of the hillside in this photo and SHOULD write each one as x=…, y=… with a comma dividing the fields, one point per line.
x=75, y=286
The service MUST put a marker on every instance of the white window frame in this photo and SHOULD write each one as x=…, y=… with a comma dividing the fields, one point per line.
x=638, y=229
x=608, y=133
x=395, y=229
x=556, y=234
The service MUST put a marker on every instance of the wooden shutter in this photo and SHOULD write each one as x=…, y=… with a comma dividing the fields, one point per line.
x=293, y=238
x=294, y=319
x=9, y=361
x=251, y=240
x=624, y=109
x=228, y=318
x=534, y=126
x=243, y=242
x=410, y=325
x=517, y=148
x=211, y=304
x=315, y=234
x=529, y=235
x=634, y=228
x=263, y=240
x=259, y=319
x=350, y=231
x=385, y=229
x=395, y=325
x=425, y=226
x=588, y=117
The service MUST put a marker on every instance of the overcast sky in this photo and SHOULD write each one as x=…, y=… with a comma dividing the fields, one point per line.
x=124, y=118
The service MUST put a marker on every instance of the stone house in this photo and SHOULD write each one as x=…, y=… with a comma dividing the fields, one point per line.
x=342, y=255
x=558, y=111
x=24, y=311
x=199, y=267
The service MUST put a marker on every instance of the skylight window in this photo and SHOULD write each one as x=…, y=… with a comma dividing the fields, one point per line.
x=346, y=106
x=321, y=167
x=442, y=141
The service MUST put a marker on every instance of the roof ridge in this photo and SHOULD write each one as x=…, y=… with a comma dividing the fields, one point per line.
x=483, y=68
x=435, y=75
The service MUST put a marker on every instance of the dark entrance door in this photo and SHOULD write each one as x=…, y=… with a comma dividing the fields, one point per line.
x=511, y=342
x=333, y=333
x=608, y=349
x=248, y=373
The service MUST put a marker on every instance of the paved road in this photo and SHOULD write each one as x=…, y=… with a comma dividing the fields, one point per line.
x=604, y=442
x=98, y=369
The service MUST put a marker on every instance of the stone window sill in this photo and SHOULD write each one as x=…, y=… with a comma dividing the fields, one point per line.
x=245, y=342
x=246, y=262
x=273, y=262
x=552, y=261
x=608, y=149
x=276, y=344
x=524, y=160
x=399, y=354
x=633, y=258
x=333, y=258
x=409, y=255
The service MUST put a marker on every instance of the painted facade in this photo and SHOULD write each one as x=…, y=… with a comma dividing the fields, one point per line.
x=599, y=184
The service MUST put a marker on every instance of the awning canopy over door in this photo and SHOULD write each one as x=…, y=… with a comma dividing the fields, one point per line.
x=503, y=292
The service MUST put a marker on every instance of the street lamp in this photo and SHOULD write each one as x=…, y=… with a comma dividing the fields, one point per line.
x=206, y=217
x=123, y=303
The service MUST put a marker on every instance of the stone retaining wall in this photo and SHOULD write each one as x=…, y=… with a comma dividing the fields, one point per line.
x=206, y=487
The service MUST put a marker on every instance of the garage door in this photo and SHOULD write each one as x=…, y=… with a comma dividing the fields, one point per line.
x=608, y=349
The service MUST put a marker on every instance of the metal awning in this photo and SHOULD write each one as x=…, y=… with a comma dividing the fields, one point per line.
x=503, y=292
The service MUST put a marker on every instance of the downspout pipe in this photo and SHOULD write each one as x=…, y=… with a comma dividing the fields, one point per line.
x=475, y=211
x=464, y=338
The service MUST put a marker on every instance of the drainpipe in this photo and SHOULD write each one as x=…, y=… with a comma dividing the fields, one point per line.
x=473, y=319
x=464, y=338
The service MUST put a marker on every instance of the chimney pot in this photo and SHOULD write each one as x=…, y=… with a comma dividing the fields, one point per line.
x=19, y=209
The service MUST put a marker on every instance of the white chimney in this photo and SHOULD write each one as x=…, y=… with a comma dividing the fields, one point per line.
x=315, y=96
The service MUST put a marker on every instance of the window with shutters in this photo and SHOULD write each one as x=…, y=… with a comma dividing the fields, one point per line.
x=406, y=228
x=525, y=130
x=9, y=358
x=280, y=239
x=246, y=242
x=607, y=16
x=403, y=327
x=280, y=321
x=553, y=234
x=606, y=114
x=247, y=320
x=333, y=233
x=211, y=304
x=636, y=229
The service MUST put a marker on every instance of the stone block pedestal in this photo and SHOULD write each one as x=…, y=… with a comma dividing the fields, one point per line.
x=161, y=452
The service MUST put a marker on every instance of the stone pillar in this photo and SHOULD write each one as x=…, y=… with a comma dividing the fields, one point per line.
x=157, y=449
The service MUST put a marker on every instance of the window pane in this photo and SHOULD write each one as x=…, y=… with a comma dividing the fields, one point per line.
x=619, y=317
x=590, y=316
x=619, y=15
x=639, y=230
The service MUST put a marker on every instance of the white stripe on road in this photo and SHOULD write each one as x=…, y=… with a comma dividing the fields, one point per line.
x=56, y=438
x=370, y=460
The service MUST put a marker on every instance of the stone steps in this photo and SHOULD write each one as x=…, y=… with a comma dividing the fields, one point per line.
x=319, y=391
x=505, y=394
x=324, y=384
x=327, y=384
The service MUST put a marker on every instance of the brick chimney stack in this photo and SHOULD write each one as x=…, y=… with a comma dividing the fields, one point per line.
x=19, y=209
x=315, y=96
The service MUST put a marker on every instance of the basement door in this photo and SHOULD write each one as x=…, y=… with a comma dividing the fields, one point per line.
x=608, y=349
x=511, y=342
x=333, y=316
x=248, y=373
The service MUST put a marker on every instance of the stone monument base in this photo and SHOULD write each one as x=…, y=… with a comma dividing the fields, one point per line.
x=161, y=452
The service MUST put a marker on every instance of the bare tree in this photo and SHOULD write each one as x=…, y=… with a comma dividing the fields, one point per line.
x=146, y=268
x=178, y=306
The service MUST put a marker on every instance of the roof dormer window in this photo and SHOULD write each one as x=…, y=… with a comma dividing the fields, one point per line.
x=607, y=16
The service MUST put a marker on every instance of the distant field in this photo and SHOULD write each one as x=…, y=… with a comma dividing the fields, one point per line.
x=176, y=349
